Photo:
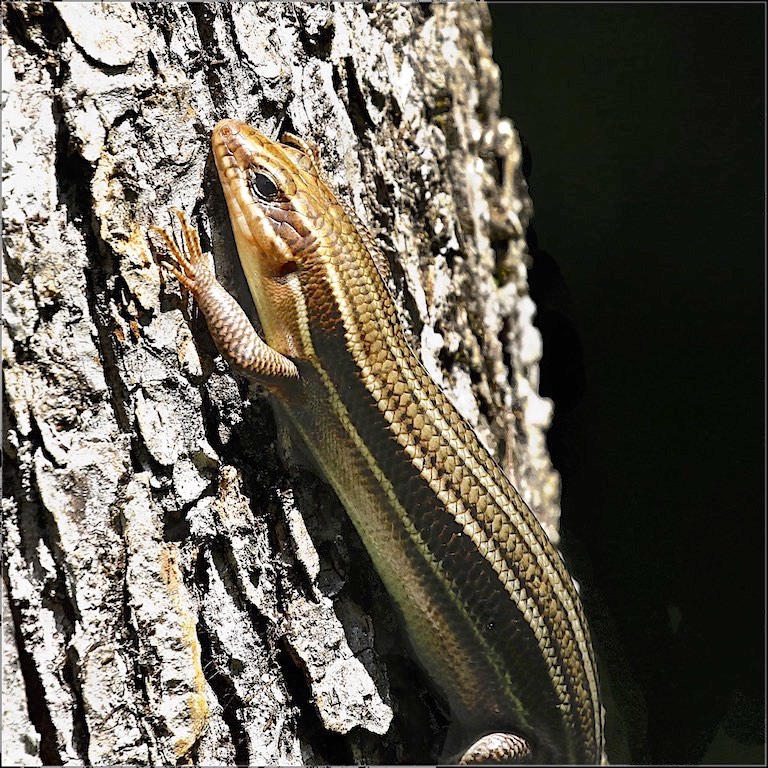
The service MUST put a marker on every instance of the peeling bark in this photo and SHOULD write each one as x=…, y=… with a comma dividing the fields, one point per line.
x=177, y=587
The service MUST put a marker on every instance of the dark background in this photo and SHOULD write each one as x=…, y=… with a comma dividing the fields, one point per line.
x=644, y=135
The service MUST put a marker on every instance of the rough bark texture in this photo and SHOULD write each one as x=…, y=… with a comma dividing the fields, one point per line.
x=175, y=587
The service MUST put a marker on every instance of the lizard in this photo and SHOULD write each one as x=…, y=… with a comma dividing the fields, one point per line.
x=486, y=600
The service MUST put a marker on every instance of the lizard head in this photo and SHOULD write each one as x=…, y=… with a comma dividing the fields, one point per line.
x=300, y=248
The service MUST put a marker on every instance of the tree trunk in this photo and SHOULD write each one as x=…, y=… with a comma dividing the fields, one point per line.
x=176, y=587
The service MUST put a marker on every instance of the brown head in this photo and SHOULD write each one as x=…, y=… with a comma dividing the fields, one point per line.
x=279, y=208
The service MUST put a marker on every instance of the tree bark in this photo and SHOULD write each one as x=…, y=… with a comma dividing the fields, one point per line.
x=177, y=588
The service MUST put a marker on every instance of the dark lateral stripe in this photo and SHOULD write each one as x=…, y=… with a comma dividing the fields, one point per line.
x=475, y=586
x=478, y=593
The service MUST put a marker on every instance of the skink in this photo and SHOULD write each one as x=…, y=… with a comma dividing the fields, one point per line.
x=486, y=600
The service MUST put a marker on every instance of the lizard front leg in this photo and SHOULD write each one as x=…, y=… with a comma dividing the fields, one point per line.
x=233, y=332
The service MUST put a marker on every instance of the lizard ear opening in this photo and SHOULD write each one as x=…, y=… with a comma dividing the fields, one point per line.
x=287, y=268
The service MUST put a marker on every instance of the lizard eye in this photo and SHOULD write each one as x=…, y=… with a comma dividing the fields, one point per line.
x=264, y=187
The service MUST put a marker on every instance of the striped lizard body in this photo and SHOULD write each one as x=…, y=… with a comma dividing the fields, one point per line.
x=488, y=605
